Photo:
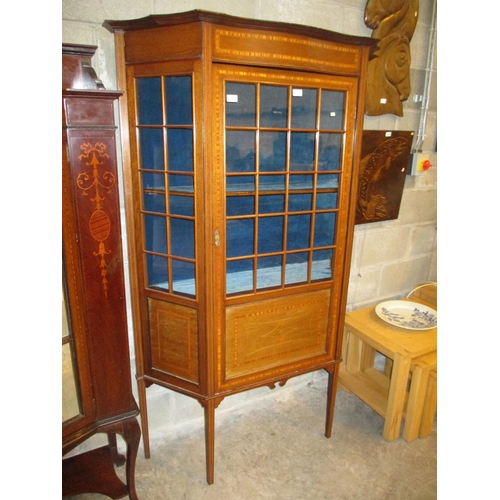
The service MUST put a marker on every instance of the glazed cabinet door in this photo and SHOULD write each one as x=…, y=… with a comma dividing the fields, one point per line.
x=77, y=396
x=283, y=162
x=167, y=175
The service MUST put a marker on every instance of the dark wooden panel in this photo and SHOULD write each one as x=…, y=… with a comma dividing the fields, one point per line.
x=95, y=187
x=89, y=111
x=382, y=174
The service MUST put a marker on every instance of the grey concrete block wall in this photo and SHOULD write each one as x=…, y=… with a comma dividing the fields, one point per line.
x=388, y=257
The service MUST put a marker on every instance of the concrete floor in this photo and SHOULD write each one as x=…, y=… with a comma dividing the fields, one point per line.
x=278, y=451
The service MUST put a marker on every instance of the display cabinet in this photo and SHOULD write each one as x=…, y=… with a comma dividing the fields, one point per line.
x=96, y=378
x=241, y=140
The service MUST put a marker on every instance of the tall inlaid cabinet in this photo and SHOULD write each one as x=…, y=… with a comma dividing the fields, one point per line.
x=241, y=140
x=96, y=379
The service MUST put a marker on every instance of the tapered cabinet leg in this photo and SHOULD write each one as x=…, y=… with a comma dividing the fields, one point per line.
x=330, y=401
x=210, y=440
x=141, y=387
x=209, y=406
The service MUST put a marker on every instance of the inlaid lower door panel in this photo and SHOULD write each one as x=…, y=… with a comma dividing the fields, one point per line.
x=174, y=339
x=261, y=336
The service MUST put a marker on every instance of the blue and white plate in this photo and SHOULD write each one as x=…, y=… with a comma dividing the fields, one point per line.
x=407, y=314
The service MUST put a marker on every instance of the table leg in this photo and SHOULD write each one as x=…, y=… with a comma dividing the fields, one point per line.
x=430, y=406
x=342, y=364
x=416, y=400
x=354, y=354
x=397, y=393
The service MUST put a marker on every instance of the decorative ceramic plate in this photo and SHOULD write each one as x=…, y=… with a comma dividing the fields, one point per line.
x=407, y=314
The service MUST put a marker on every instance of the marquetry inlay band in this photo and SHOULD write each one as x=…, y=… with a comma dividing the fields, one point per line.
x=298, y=51
x=97, y=183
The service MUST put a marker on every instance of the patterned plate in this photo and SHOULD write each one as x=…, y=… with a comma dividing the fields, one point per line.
x=407, y=314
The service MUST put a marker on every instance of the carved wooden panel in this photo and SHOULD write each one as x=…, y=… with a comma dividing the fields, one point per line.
x=174, y=339
x=382, y=173
x=279, y=331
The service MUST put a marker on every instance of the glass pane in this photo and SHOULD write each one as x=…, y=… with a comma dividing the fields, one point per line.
x=273, y=106
x=329, y=151
x=326, y=201
x=302, y=151
x=181, y=205
x=299, y=202
x=240, y=205
x=269, y=271
x=239, y=276
x=154, y=202
x=272, y=153
x=70, y=402
x=149, y=101
x=240, y=151
x=322, y=265
x=301, y=181
x=328, y=181
x=240, y=183
x=66, y=329
x=183, y=183
x=156, y=233
x=324, y=229
x=270, y=234
x=271, y=203
x=157, y=268
x=180, y=149
x=182, y=237
x=296, y=268
x=299, y=227
x=179, y=100
x=239, y=237
x=332, y=110
x=240, y=104
x=271, y=183
x=304, y=108
x=151, y=148
x=153, y=181
x=183, y=277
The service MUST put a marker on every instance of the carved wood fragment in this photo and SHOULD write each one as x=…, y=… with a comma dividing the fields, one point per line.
x=388, y=82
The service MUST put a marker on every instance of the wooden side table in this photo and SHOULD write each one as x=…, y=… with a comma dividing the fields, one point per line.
x=364, y=335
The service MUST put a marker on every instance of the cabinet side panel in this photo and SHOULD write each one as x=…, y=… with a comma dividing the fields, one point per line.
x=95, y=190
x=275, y=332
x=174, y=339
x=162, y=44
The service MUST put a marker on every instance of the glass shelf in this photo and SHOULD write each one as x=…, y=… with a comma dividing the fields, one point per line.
x=267, y=278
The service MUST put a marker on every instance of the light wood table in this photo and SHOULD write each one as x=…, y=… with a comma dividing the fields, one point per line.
x=364, y=335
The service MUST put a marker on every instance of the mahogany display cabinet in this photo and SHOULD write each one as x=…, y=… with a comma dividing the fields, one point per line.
x=96, y=379
x=240, y=141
